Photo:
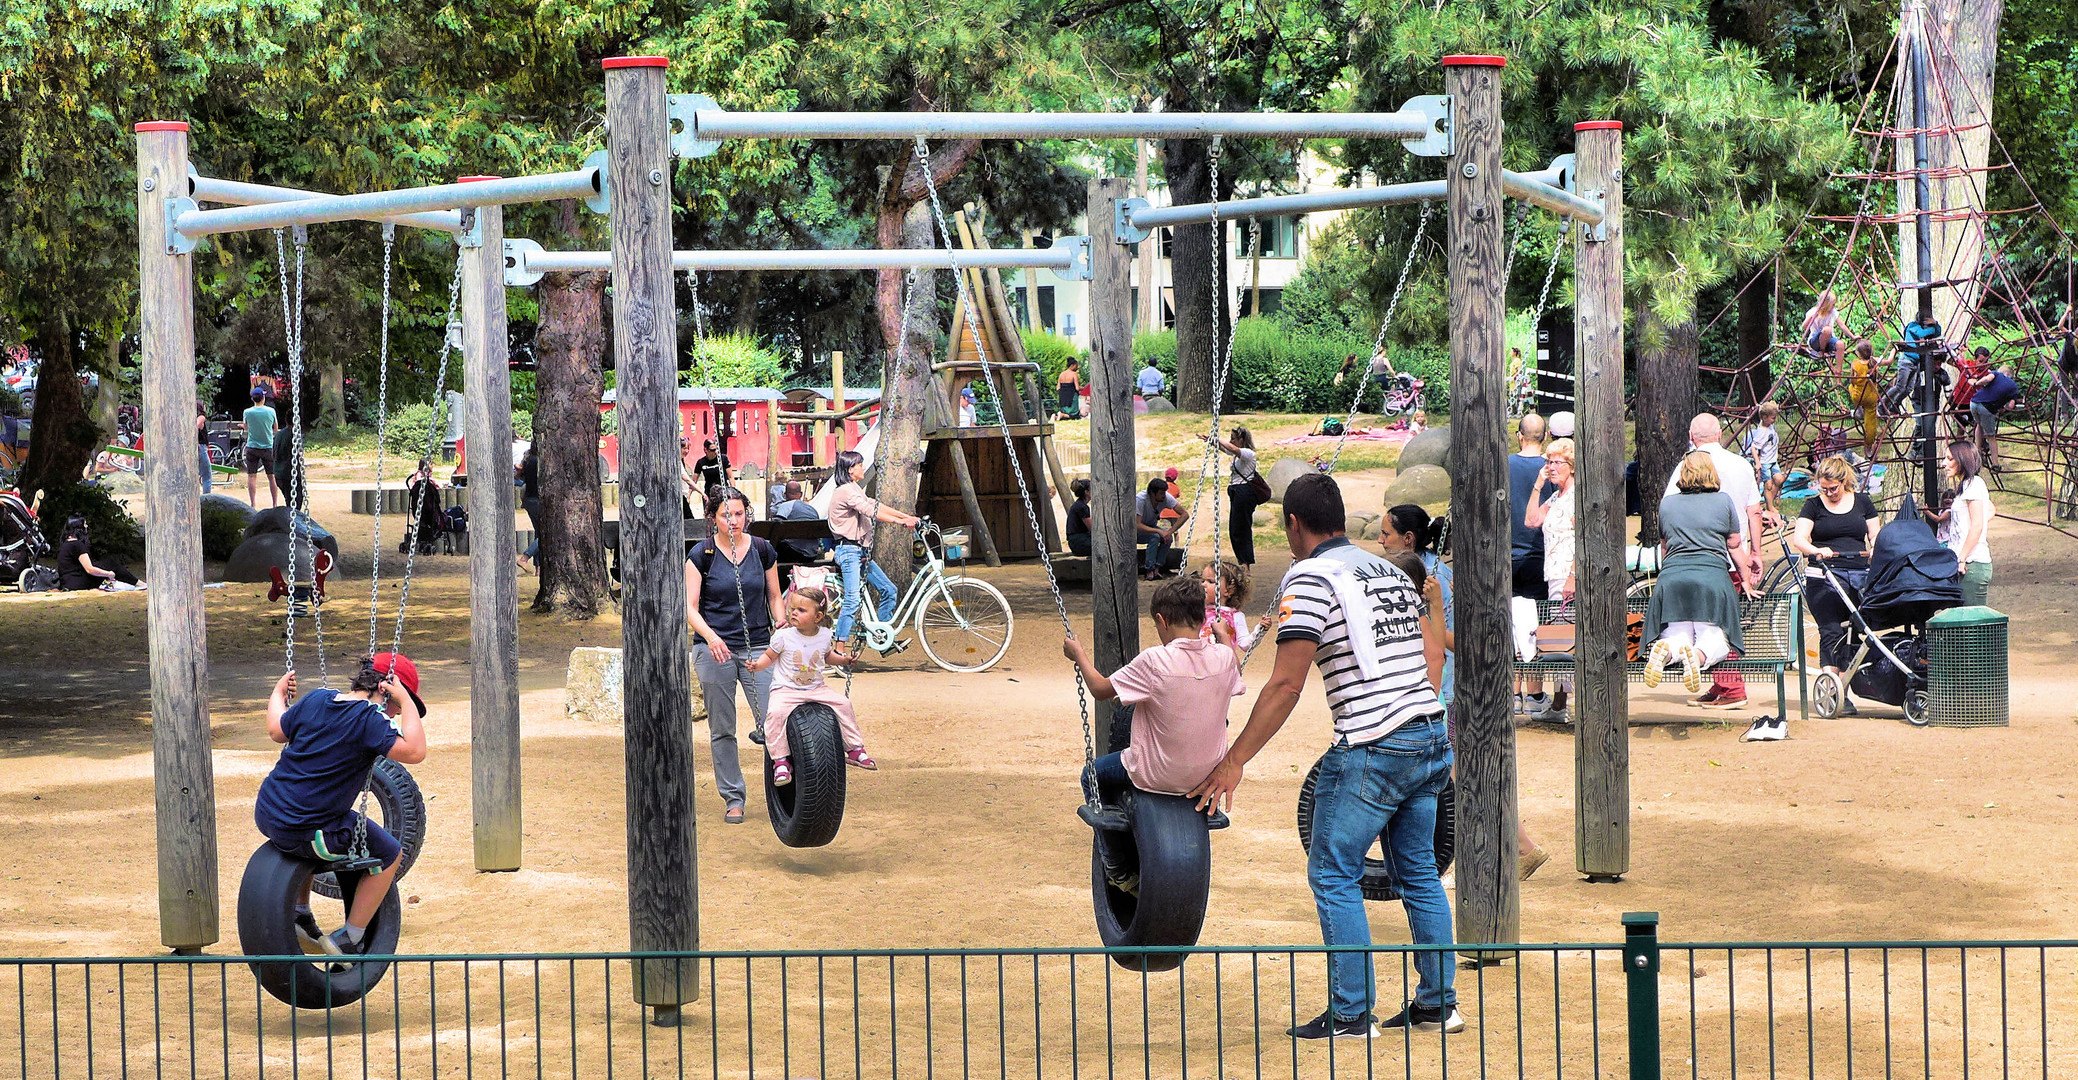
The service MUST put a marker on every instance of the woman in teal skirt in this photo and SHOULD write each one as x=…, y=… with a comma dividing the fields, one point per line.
x=1693, y=619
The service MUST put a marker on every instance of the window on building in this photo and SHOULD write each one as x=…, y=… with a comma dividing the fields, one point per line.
x=1272, y=300
x=1168, y=242
x=1046, y=308
x=1278, y=237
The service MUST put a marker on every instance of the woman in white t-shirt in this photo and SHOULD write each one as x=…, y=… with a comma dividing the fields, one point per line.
x=1966, y=524
x=1555, y=516
x=1240, y=493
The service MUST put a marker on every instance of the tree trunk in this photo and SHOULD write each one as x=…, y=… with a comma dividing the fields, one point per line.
x=1149, y=261
x=906, y=390
x=62, y=437
x=1756, y=335
x=331, y=393
x=1962, y=39
x=1192, y=255
x=570, y=351
x=894, y=230
x=1666, y=404
x=746, y=323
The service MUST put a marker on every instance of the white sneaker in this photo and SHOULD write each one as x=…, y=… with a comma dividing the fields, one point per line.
x=1536, y=703
x=1766, y=729
x=1778, y=730
x=1656, y=663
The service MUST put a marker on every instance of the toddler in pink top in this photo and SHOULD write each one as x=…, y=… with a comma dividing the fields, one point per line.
x=1226, y=591
x=800, y=651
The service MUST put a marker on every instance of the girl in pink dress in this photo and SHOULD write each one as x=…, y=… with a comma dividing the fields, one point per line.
x=801, y=651
x=1224, y=597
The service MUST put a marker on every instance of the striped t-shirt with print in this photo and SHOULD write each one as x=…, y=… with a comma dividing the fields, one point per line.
x=1365, y=711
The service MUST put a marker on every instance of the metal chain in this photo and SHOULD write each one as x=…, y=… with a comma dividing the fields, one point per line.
x=449, y=341
x=721, y=444
x=1543, y=294
x=1392, y=306
x=1024, y=489
x=298, y=485
x=382, y=417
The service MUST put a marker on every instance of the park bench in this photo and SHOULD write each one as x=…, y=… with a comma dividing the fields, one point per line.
x=1773, y=625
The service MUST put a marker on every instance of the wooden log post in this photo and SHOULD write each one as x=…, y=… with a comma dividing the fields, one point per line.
x=494, y=727
x=1115, y=560
x=183, y=777
x=663, y=879
x=836, y=403
x=1487, y=890
x=1601, y=747
x=984, y=539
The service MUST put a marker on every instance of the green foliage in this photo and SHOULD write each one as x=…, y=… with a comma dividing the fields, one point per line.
x=736, y=360
x=10, y=402
x=1158, y=347
x=1327, y=296
x=522, y=425
x=1051, y=352
x=112, y=533
x=222, y=531
x=523, y=396
x=409, y=429
x=1278, y=371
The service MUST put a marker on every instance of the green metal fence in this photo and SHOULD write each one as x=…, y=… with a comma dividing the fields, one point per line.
x=1636, y=1008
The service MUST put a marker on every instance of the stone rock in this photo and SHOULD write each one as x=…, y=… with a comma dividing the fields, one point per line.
x=1426, y=486
x=592, y=687
x=275, y=519
x=259, y=554
x=1372, y=529
x=1263, y=518
x=224, y=520
x=749, y=471
x=1283, y=473
x=1431, y=447
x=1159, y=404
x=1354, y=524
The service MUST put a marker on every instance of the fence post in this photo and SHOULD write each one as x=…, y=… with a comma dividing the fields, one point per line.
x=1641, y=965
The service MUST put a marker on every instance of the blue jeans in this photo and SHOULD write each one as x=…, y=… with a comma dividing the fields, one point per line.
x=1156, y=546
x=851, y=560
x=1389, y=786
x=208, y=474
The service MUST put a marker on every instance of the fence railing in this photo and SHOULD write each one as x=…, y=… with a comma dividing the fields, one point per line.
x=1635, y=1009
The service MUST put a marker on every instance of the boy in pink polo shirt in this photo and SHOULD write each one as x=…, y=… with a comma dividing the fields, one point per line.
x=1179, y=691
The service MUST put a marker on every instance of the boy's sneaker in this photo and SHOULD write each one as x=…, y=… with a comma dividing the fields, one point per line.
x=1536, y=703
x=1550, y=716
x=1766, y=729
x=313, y=937
x=1417, y=1018
x=1325, y=1026
x=782, y=773
x=338, y=944
x=1124, y=881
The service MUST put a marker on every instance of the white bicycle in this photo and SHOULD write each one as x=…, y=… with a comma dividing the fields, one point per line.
x=964, y=623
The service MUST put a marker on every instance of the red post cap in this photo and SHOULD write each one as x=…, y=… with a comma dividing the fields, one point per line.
x=613, y=62
x=1599, y=125
x=162, y=125
x=1475, y=61
x=475, y=179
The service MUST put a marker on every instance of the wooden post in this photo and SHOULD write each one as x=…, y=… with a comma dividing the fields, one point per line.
x=663, y=879
x=1115, y=560
x=1487, y=891
x=1601, y=747
x=494, y=739
x=982, y=536
x=836, y=403
x=772, y=463
x=183, y=777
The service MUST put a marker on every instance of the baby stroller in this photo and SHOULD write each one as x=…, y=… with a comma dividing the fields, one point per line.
x=21, y=544
x=1911, y=577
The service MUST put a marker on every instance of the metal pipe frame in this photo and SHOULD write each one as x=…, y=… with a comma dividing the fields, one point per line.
x=237, y=193
x=581, y=184
x=909, y=259
x=715, y=124
x=1539, y=188
x=1555, y=199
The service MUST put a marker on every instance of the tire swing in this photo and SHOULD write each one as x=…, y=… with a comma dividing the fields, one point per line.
x=1377, y=882
x=809, y=811
x=274, y=880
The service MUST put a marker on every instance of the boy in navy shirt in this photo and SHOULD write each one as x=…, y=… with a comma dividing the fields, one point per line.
x=306, y=805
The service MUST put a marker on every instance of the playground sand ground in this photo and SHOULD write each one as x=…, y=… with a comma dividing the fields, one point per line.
x=1853, y=829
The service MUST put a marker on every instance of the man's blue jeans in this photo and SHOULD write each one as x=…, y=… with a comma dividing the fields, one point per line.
x=1388, y=787
x=851, y=559
x=1156, y=549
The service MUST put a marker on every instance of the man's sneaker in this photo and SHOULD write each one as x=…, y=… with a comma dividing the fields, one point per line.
x=1536, y=703
x=1847, y=708
x=1325, y=1026
x=1656, y=664
x=1416, y=1018
x=1704, y=699
x=1550, y=716
x=1728, y=703
x=1764, y=729
x=312, y=937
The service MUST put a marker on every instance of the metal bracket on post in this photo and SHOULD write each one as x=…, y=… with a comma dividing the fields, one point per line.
x=1438, y=142
x=1123, y=229
x=602, y=203
x=517, y=276
x=1079, y=269
x=1567, y=174
x=1598, y=232
x=685, y=135
x=471, y=235
x=178, y=243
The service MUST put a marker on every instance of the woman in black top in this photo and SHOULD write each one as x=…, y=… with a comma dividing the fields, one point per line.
x=76, y=567
x=732, y=603
x=422, y=498
x=202, y=445
x=1838, y=525
x=1079, y=518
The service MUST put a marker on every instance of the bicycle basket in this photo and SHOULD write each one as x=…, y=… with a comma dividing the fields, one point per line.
x=955, y=541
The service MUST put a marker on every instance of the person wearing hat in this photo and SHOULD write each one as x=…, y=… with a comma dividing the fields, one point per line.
x=306, y=805
x=1561, y=425
x=967, y=407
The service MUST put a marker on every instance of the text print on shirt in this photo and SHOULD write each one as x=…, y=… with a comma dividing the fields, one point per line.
x=1312, y=607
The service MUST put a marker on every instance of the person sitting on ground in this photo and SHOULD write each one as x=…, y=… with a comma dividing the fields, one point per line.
x=260, y=422
x=1555, y=516
x=1149, y=381
x=1226, y=590
x=801, y=651
x=1148, y=514
x=1995, y=391
x=1763, y=449
x=77, y=569
x=1079, y=518
x=1839, y=526
x=1821, y=329
x=331, y=741
x=792, y=507
x=1179, y=690
x=1693, y=617
x=1385, y=770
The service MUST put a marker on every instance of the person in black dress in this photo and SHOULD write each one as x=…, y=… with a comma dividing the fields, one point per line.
x=77, y=569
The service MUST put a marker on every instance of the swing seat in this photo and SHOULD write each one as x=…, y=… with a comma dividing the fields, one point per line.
x=366, y=864
x=1114, y=819
x=299, y=589
x=1169, y=847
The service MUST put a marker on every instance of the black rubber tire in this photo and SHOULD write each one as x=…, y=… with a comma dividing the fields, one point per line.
x=1377, y=880
x=267, y=927
x=401, y=809
x=1174, y=853
x=809, y=811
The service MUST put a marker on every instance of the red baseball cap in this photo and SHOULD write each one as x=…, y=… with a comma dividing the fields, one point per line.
x=1171, y=474
x=406, y=672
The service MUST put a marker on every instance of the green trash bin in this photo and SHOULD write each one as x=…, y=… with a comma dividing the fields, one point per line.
x=1966, y=668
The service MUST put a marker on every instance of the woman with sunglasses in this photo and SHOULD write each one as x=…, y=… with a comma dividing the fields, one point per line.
x=1839, y=526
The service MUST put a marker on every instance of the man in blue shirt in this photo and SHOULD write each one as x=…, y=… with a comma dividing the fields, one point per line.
x=1995, y=391
x=1149, y=381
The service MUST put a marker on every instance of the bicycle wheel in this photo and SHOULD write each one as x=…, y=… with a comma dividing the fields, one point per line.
x=965, y=625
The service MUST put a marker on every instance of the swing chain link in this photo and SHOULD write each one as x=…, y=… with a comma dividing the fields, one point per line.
x=1531, y=368
x=1024, y=488
x=292, y=316
x=721, y=445
x=382, y=417
x=1385, y=325
x=418, y=508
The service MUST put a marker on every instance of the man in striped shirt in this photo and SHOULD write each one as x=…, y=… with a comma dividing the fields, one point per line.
x=1390, y=760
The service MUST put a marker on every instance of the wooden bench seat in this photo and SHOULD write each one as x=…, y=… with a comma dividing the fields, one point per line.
x=1774, y=629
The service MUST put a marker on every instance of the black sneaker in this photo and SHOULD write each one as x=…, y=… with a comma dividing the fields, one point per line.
x=1418, y=1018
x=1325, y=1026
x=311, y=936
